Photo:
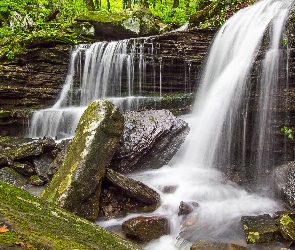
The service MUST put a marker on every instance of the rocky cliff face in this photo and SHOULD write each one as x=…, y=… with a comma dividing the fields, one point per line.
x=35, y=78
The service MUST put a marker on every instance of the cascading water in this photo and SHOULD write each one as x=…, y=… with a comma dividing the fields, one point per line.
x=113, y=71
x=218, y=137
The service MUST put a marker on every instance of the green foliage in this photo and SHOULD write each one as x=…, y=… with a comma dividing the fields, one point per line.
x=25, y=21
x=287, y=131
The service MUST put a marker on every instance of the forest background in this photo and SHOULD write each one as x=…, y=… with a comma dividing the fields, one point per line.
x=24, y=21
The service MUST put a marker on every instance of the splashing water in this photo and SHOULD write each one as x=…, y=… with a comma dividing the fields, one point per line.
x=223, y=99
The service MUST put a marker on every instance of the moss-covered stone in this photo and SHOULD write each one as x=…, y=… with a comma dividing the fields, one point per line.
x=212, y=245
x=46, y=226
x=76, y=186
x=260, y=229
x=287, y=226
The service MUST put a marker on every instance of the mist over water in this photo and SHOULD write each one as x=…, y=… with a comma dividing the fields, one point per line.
x=223, y=103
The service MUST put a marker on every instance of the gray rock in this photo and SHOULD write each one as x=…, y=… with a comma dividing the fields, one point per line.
x=133, y=188
x=12, y=177
x=286, y=226
x=150, y=140
x=23, y=168
x=187, y=207
x=212, y=245
x=260, y=229
x=284, y=176
x=145, y=229
x=76, y=186
x=41, y=164
x=36, y=180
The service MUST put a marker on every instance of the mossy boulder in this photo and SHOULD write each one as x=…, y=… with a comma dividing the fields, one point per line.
x=286, y=226
x=145, y=229
x=137, y=23
x=76, y=186
x=260, y=229
x=41, y=225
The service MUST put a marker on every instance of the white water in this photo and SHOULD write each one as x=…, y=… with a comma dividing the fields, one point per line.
x=113, y=71
x=224, y=92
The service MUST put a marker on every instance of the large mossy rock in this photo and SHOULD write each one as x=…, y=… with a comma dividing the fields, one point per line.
x=76, y=186
x=150, y=139
x=41, y=225
x=137, y=23
x=260, y=229
x=286, y=226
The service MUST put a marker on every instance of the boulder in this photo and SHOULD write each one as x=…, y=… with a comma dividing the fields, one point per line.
x=41, y=164
x=42, y=225
x=286, y=226
x=133, y=188
x=137, y=23
x=145, y=229
x=260, y=229
x=212, y=245
x=12, y=177
x=76, y=186
x=24, y=168
x=17, y=151
x=284, y=176
x=150, y=140
x=187, y=207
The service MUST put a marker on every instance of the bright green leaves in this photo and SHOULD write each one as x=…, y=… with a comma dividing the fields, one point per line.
x=288, y=132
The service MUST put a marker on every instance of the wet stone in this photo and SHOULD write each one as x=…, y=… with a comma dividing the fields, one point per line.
x=145, y=229
x=212, y=245
x=24, y=168
x=12, y=177
x=36, y=181
x=187, y=207
x=41, y=164
x=287, y=227
x=260, y=229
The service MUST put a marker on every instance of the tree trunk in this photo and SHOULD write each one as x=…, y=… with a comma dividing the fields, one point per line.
x=187, y=2
x=145, y=4
x=175, y=3
x=109, y=5
x=90, y=5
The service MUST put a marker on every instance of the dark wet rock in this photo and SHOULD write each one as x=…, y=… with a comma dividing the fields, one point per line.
x=3, y=160
x=36, y=180
x=114, y=203
x=286, y=226
x=260, y=229
x=133, y=188
x=145, y=229
x=76, y=186
x=32, y=148
x=12, y=177
x=285, y=183
x=150, y=139
x=212, y=245
x=60, y=154
x=41, y=164
x=24, y=168
x=187, y=207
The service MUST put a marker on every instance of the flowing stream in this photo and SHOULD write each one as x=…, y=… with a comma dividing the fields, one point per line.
x=223, y=102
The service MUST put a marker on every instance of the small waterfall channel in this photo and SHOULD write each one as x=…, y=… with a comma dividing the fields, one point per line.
x=110, y=70
x=218, y=137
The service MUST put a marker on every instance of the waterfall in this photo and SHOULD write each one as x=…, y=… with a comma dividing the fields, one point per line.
x=110, y=70
x=226, y=108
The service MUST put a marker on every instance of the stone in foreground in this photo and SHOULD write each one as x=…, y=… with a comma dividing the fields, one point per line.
x=41, y=225
x=133, y=188
x=145, y=229
x=76, y=186
x=286, y=226
x=260, y=229
x=212, y=245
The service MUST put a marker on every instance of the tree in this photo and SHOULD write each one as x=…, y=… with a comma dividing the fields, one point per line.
x=175, y=3
x=90, y=5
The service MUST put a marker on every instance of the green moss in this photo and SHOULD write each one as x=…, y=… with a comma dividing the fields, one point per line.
x=253, y=237
x=285, y=220
x=46, y=226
